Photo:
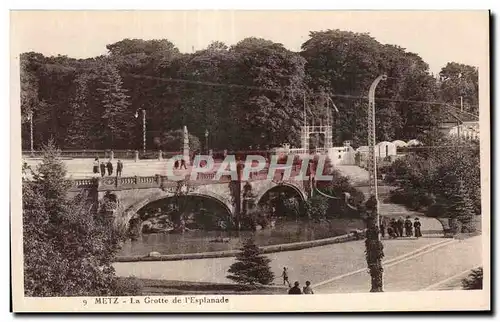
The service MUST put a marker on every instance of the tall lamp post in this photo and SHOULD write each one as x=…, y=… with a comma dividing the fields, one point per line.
x=143, y=128
x=206, y=140
x=374, y=247
x=30, y=118
x=372, y=158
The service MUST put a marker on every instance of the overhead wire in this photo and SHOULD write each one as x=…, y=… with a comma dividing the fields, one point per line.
x=277, y=90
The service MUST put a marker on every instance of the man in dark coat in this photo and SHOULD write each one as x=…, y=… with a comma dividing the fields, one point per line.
x=103, y=169
x=408, y=227
x=400, y=225
x=394, y=228
x=382, y=226
x=119, y=168
x=109, y=165
x=295, y=289
x=183, y=164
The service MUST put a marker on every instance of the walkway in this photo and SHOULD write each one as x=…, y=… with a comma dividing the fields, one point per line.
x=418, y=273
x=315, y=264
x=82, y=168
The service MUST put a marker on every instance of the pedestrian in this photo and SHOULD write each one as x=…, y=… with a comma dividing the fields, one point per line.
x=183, y=164
x=390, y=232
x=382, y=226
x=176, y=164
x=119, y=168
x=103, y=169
x=394, y=228
x=408, y=227
x=401, y=225
x=285, y=277
x=96, y=165
x=295, y=289
x=307, y=289
x=417, y=226
x=109, y=165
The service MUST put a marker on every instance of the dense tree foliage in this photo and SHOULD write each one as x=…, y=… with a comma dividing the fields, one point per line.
x=374, y=249
x=90, y=103
x=459, y=80
x=68, y=244
x=444, y=182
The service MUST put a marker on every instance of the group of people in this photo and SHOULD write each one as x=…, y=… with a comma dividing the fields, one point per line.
x=179, y=164
x=296, y=286
x=401, y=228
x=102, y=166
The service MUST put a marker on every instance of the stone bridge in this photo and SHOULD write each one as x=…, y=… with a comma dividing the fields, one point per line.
x=134, y=193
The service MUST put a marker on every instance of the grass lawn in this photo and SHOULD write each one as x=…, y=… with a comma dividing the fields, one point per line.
x=167, y=287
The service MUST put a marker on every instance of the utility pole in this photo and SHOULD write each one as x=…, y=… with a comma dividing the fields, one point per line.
x=144, y=131
x=206, y=141
x=372, y=158
x=30, y=116
x=143, y=128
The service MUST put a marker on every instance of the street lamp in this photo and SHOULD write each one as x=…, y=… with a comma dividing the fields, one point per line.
x=206, y=140
x=30, y=118
x=372, y=158
x=143, y=128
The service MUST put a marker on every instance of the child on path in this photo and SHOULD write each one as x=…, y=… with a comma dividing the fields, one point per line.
x=285, y=277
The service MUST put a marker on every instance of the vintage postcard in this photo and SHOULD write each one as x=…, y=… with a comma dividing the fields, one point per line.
x=222, y=161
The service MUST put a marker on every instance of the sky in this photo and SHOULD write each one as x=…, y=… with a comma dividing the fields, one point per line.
x=437, y=36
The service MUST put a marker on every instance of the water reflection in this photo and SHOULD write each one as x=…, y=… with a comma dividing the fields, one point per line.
x=202, y=241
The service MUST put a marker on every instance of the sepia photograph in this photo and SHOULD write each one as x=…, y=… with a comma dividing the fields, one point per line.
x=185, y=160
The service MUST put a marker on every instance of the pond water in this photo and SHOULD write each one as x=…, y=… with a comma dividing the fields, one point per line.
x=200, y=241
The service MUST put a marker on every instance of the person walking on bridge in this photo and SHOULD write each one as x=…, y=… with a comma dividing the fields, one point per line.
x=103, y=169
x=183, y=164
x=109, y=165
x=96, y=166
x=119, y=168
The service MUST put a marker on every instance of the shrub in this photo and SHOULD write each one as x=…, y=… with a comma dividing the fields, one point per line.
x=127, y=286
x=316, y=207
x=474, y=281
x=251, y=267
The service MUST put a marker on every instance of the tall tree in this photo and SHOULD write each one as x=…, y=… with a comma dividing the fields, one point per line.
x=116, y=116
x=343, y=65
x=81, y=130
x=268, y=109
x=251, y=266
x=460, y=81
x=68, y=245
x=461, y=207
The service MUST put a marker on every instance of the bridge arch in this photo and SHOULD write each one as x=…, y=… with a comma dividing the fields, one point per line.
x=133, y=209
x=300, y=192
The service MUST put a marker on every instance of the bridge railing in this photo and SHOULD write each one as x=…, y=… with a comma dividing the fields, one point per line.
x=106, y=154
x=163, y=181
